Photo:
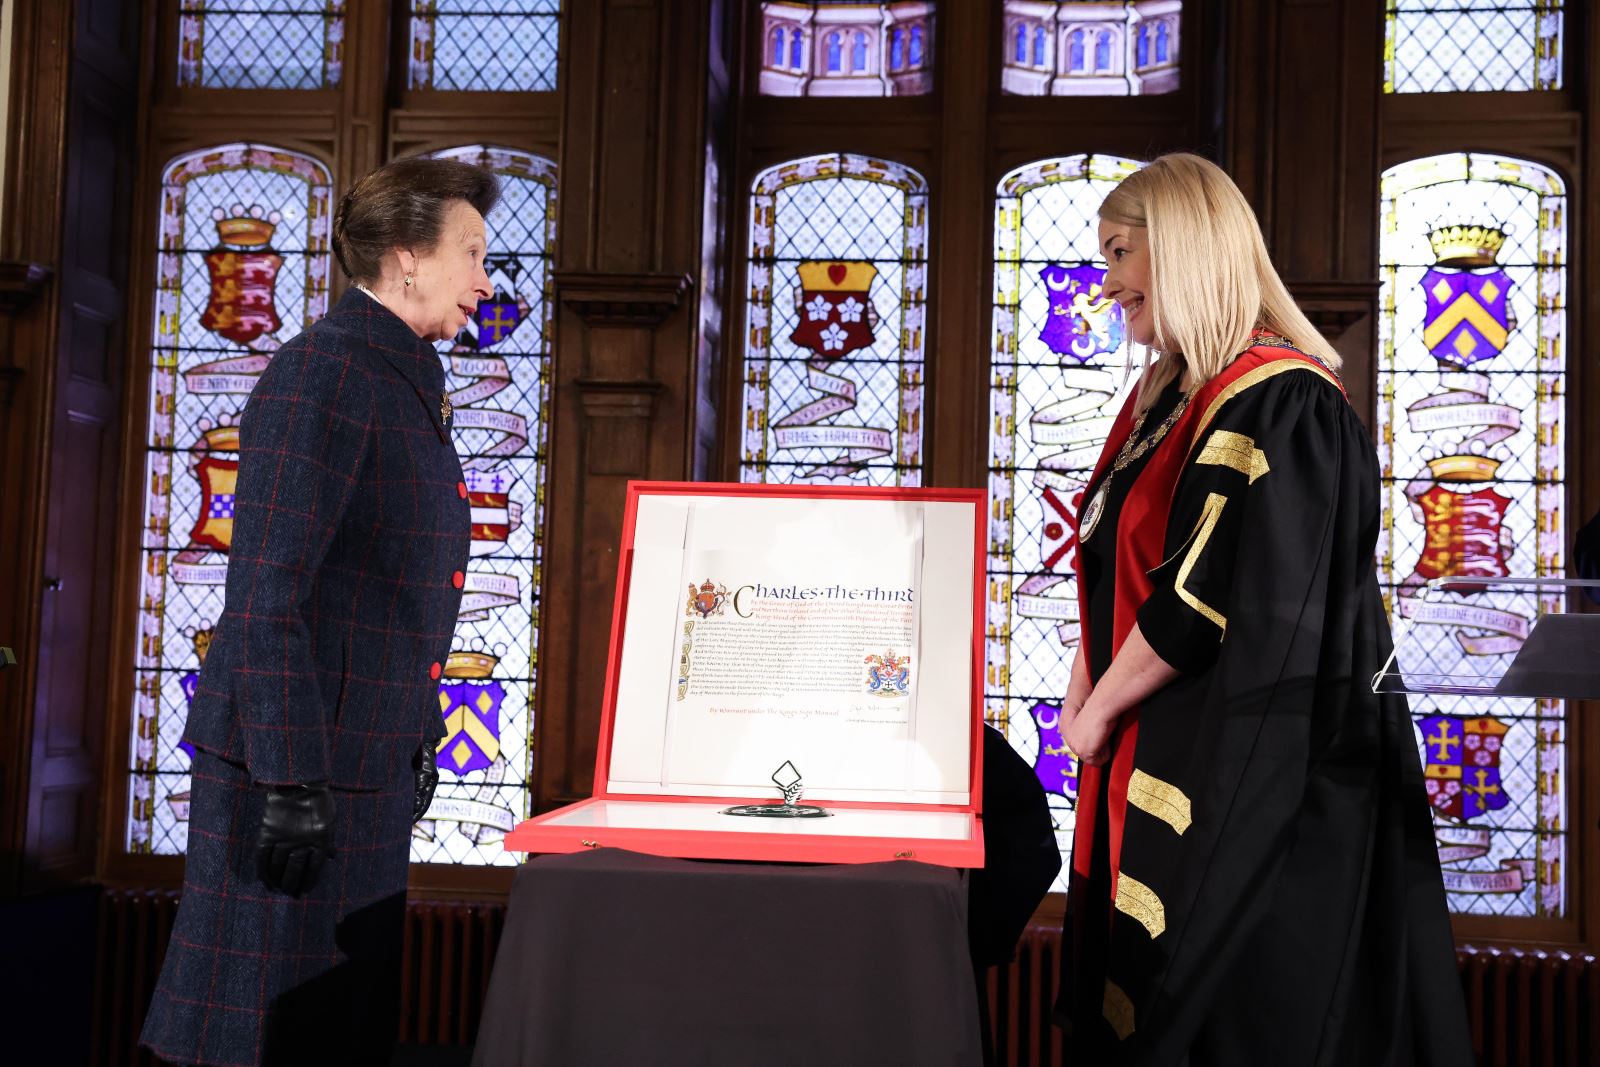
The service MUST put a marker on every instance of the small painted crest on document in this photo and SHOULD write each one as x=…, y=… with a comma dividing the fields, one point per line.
x=708, y=600
x=888, y=674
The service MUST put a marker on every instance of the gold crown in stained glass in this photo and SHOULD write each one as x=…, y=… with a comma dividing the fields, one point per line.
x=220, y=439
x=464, y=664
x=1467, y=246
x=1464, y=467
x=251, y=228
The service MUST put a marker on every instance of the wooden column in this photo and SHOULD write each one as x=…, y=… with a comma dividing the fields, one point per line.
x=625, y=388
x=1301, y=128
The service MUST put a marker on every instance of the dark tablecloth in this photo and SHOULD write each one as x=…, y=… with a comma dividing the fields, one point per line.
x=618, y=959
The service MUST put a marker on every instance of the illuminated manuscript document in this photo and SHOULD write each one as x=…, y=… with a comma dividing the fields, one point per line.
x=798, y=630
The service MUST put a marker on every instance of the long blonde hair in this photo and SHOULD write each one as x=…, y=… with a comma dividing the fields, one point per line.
x=1211, y=280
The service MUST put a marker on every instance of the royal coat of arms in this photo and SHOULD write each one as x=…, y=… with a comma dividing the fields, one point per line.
x=1082, y=323
x=835, y=305
x=244, y=271
x=888, y=674
x=708, y=600
x=1463, y=764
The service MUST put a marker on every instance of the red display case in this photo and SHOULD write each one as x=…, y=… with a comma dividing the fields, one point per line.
x=837, y=630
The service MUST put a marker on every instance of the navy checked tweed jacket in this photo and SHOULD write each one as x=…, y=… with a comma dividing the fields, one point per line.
x=351, y=529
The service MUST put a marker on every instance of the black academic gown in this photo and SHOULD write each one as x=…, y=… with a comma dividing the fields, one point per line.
x=1278, y=896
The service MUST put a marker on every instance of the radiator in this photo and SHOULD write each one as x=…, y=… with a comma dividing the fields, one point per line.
x=449, y=950
x=1526, y=1008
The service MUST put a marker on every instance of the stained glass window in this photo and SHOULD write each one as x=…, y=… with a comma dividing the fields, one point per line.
x=1449, y=46
x=1117, y=48
x=260, y=44
x=485, y=45
x=242, y=266
x=1471, y=381
x=1058, y=375
x=497, y=372
x=833, y=371
x=847, y=48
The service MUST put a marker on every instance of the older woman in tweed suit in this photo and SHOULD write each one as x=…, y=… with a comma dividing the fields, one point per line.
x=316, y=716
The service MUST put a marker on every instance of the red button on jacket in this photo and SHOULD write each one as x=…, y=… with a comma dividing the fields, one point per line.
x=458, y=579
x=434, y=672
x=461, y=490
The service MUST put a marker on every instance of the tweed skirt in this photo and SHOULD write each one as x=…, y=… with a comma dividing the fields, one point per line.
x=257, y=977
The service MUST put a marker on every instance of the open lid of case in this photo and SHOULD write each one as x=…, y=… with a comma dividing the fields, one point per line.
x=837, y=630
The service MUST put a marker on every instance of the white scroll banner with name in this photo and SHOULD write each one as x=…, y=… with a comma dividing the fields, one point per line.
x=198, y=566
x=1080, y=425
x=489, y=376
x=1511, y=627
x=236, y=375
x=1462, y=844
x=803, y=428
x=483, y=593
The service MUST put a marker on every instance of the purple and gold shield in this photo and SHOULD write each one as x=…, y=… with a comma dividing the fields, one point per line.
x=471, y=713
x=1462, y=764
x=1082, y=323
x=1056, y=767
x=1466, y=321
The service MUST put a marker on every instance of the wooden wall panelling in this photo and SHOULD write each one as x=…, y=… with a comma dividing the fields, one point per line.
x=40, y=72
x=1304, y=81
x=84, y=480
x=632, y=165
x=955, y=440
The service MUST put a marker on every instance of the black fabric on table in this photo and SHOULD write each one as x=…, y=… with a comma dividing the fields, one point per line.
x=612, y=957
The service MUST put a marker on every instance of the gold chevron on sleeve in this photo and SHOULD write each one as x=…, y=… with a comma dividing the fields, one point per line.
x=1162, y=799
x=1139, y=901
x=1208, y=523
x=1249, y=380
x=1118, y=1010
x=1224, y=448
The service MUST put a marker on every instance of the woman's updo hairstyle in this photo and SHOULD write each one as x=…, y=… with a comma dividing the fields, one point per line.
x=402, y=205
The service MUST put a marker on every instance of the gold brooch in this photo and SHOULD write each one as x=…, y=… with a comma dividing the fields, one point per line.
x=445, y=408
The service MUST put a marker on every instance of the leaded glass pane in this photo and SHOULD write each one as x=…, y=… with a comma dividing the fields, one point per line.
x=497, y=372
x=485, y=45
x=242, y=265
x=833, y=367
x=847, y=48
x=1098, y=48
x=1451, y=46
x=1058, y=376
x=1471, y=386
x=260, y=44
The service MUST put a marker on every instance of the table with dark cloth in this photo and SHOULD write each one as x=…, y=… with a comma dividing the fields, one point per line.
x=612, y=957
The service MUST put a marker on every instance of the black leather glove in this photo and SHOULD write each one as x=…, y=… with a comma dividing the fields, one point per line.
x=296, y=837
x=427, y=765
